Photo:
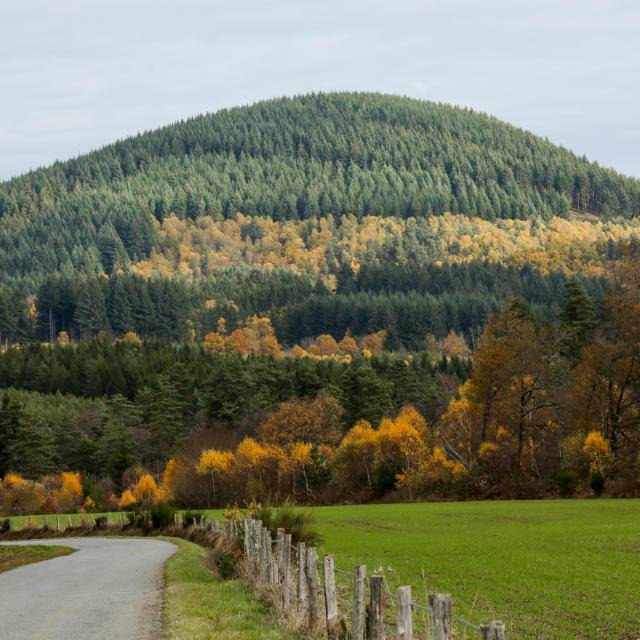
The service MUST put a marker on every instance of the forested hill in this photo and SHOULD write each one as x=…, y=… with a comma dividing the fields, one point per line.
x=294, y=158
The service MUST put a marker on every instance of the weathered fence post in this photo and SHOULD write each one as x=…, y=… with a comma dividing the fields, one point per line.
x=247, y=541
x=330, y=595
x=122, y=518
x=69, y=518
x=265, y=557
x=376, y=608
x=46, y=521
x=312, y=587
x=109, y=522
x=359, y=593
x=57, y=523
x=404, y=628
x=286, y=572
x=276, y=569
x=493, y=631
x=301, y=592
x=440, y=609
x=93, y=522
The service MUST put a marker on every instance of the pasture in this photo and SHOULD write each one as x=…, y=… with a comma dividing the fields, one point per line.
x=551, y=569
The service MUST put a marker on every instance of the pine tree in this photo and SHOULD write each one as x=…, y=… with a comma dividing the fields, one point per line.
x=577, y=317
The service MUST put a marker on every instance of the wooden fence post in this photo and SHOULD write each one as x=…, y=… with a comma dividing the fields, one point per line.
x=109, y=522
x=69, y=518
x=286, y=572
x=46, y=521
x=404, y=629
x=247, y=541
x=301, y=592
x=312, y=587
x=493, y=631
x=330, y=596
x=265, y=560
x=359, y=594
x=122, y=518
x=57, y=523
x=376, y=608
x=440, y=609
x=276, y=571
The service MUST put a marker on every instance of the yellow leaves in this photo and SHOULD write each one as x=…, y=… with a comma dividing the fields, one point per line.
x=438, y=468
x=324, y=345
x=214, y=342
x=249, y=452
x=487, y=450
x=374, y=342
x=571, y=245
x=146, y=490
x=127, y=499
x=597, y=451
x=131, y=338
x=253, y=337
x=301, y=453
x=214, y=461
x=13, y=480
x=348, y=344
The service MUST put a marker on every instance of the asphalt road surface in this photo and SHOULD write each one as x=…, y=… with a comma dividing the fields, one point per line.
x=109, y=588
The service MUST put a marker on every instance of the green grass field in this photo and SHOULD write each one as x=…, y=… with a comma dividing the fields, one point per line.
x=15, y=556
x=550, y=569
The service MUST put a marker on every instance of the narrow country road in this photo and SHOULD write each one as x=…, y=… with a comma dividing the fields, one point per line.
x=109, y=588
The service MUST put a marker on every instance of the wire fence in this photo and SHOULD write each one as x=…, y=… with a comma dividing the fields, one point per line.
x=335, y=602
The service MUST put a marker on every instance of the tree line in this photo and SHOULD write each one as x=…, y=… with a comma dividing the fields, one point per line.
x=406, y=301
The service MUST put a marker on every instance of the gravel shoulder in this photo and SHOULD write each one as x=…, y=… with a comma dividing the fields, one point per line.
x=110, y=588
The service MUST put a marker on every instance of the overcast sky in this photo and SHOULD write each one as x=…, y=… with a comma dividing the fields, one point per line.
x=78, y=74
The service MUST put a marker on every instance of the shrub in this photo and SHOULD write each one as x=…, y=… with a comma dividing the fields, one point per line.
x=162, y=515
x=223, y=558
x=597, y=482
x=100, y=522
x=567, y=482
x=190, y=518
x=5, y=525
x=139, y=519
x=293, y=520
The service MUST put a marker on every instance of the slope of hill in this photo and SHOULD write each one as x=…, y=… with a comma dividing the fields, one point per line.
x=294, y=158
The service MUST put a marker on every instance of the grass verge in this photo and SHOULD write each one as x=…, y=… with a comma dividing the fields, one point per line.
x=199, y=606
x=17, y=555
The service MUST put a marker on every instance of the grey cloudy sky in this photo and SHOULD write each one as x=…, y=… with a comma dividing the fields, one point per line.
x=77, y=74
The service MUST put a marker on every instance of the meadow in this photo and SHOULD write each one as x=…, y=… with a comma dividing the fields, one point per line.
x=551, y=570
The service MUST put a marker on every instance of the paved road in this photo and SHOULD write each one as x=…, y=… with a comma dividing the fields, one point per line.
x=108, y=589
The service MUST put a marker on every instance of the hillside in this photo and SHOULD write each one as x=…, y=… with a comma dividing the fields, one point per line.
x=330, y=212
x=294, y=158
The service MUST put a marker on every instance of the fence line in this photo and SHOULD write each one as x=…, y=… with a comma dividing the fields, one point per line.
x=330, y=609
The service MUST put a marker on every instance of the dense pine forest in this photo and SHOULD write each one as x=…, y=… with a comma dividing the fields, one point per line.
x=310, y=286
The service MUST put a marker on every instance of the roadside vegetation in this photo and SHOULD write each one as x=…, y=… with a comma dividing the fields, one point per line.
x=12, y=556
x=200, y=606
